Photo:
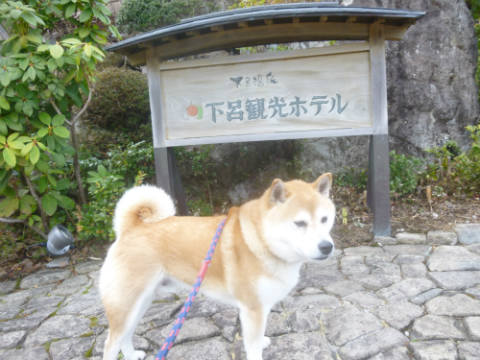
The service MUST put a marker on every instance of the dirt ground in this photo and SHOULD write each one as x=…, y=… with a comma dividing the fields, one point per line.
x=412, y=214
x=352, y=228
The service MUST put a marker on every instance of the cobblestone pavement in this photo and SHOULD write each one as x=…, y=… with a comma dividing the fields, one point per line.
x=415, y=296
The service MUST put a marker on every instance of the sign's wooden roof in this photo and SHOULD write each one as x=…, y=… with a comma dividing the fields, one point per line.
x=266, y=25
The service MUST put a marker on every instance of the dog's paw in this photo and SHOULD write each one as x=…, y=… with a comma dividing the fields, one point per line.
x=266, y=342
x=137, y=355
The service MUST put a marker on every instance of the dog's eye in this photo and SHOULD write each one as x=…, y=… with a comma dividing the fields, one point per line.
x=324, y=219
x=301, y=224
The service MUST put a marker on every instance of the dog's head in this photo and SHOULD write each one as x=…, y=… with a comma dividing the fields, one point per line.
x=299, y=218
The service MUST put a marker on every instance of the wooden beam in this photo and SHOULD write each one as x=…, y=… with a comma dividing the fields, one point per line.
x=275, y=136
x=259, y=35
x=361, y=46
x=219, y=39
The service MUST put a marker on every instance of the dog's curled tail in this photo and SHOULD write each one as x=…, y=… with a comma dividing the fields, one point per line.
x=141, y=204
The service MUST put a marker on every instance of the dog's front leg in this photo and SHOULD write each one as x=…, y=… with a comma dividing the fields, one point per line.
x=253, y=329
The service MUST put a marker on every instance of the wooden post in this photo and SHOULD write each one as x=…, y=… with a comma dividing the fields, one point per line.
x=378, y=188
x=166, y=173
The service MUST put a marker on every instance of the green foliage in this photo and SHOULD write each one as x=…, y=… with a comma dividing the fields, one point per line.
x=199, y=169
x=104, y=189
x=121, y=102
x=8, y=244
x=454, y=170
x=42, y=79
x=405, y=173
x=143, y=15
x=356, y=178
x=107, y=181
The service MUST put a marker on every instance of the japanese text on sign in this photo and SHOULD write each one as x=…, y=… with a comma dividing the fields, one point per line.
x=269, y=108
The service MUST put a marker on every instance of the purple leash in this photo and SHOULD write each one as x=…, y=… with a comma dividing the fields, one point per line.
x=167, y=345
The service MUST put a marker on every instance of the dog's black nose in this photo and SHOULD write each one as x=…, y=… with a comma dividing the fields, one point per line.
x=325, y=247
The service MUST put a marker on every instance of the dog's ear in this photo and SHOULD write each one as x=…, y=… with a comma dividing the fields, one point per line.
x=323, y=184
x=277, y=192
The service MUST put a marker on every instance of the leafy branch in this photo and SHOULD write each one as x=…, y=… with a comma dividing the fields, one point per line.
x=47, y=68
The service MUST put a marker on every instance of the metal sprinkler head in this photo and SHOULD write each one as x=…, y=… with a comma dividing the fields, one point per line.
x=60, y=241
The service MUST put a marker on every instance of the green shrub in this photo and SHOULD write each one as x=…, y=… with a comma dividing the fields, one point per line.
x=199, y=171
x=405, y=173
x=121, y=102
x=104, y=189
x=143, y=15
x=107, y=180
x=454, y=170
x=47, y=64
x=356, y=178
x=468, y=163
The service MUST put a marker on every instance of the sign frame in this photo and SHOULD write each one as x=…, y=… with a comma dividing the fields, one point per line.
x=161, y=135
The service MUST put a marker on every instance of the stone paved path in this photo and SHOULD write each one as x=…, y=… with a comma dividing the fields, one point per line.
x=416, y=296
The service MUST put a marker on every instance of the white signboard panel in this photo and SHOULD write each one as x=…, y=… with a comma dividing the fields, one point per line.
x=269, y=96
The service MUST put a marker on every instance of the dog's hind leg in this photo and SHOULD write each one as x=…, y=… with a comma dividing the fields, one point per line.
x=123, y=317
x=142, y=304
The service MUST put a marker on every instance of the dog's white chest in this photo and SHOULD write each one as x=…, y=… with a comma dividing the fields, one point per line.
x=273, y=289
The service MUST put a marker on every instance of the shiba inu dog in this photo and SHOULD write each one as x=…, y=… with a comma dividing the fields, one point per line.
x=256, y=263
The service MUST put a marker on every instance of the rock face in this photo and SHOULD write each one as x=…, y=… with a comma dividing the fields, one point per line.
x=432, y=93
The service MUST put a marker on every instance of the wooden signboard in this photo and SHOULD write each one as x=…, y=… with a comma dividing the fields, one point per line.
x=279, y=95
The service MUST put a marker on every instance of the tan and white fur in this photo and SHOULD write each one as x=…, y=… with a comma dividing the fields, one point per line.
x=256, y=263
